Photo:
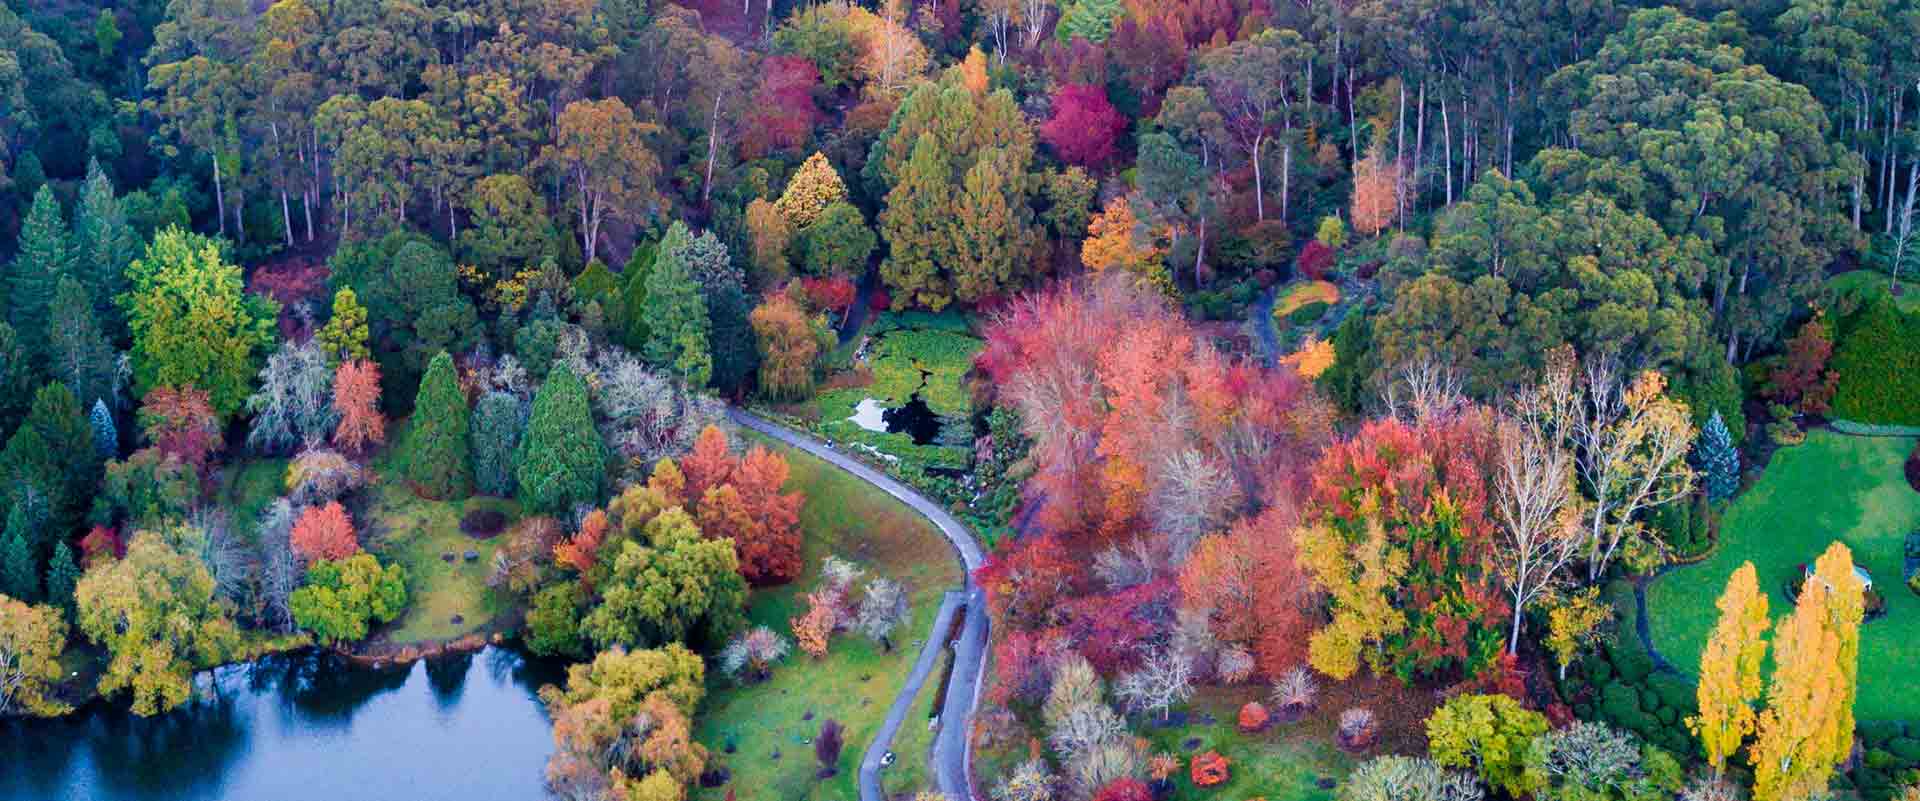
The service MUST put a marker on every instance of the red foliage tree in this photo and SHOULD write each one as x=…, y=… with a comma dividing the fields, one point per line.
x=289, y=282
x=1110, y=627
x=1251, y=589
x=324, y=532
x=582, y=550
x=770, y=551
x=1023, y=664
x=1084, y=125
x=102, y=544
x=356, y=397
x=1151, y=55
x=784, y=113
x=711, y=463
x=1314, y=261
x=1802, y=379
x=833, y=293
x=180, y=421
x=1025, y=579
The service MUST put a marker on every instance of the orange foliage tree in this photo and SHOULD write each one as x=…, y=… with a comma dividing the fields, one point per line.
x=356, y=397
x=181, y=422
x=710, y=464
x=324, y=532
x=1376, y=184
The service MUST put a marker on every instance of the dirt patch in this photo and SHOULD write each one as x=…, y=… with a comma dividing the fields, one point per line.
x=484, y=523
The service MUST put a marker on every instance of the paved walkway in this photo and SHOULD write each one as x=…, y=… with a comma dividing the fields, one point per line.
x=952, y=751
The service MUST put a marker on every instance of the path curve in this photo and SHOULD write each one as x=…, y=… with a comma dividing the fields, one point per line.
x=952, y=749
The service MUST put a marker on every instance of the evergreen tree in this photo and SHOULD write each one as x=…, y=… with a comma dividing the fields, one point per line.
x=345, y=334
x=106, y=435
x=499, y=420
x=914, y=223
x=1719, y=463
x=19, y=568
x=78, y=353
x=735, y=354
x=16, y=379
x=633, y=325
x=676, y=313
x=57, y=418
x=437, y=456
x=104, y=243
x=63, y=575
x=990, y=240
x=43, y=259
x=562, y=459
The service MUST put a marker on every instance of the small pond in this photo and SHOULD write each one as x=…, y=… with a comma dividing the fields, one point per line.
x=915, y=419
x=303, y=727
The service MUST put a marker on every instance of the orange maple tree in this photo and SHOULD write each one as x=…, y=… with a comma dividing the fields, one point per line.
x=356, y=397
x=324, y=532
x=710, y=464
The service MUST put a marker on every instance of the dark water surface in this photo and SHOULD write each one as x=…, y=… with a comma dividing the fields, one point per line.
x=305, y=727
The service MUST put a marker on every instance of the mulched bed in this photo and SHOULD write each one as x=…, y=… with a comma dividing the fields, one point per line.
x=483, y=524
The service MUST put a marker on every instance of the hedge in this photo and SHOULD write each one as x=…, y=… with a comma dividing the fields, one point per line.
x=1878, y=360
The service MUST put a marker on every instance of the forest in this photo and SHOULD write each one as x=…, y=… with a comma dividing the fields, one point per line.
x=1355, y=400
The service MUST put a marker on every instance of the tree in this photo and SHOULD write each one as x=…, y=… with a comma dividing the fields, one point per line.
x=989, y=238
x=601, y=149
x=1802, y=379
x=104, y=244
x=43, y=260
x=182, y=423
x=1719, y=463
x=19, y=566
x=916, y=214
x=31, y=639
x=788, y=347
x=1537, y=512
x=839, y=242
x=553, y=621
x=193, y=322
x=106, y=435
x=155, y=613
x=1730, y=669
x=1251, y=83
x=668, y=582
x=1807, y=727
x=499, y=420
x=676, y=312
x=1163, y=679
x=731, y=341
x=511, y=228
x=17, y=380
x=63, y=577
x=768, y=236
x=62, y=427
x=763, y=523
x=1376, y=186
x=1575, y=623
x=812, y=189
x=324, y=533
x=1084, y=125
x=826, y=747
x=1589, y=760
x=1489, y=735
x=562, y=461
x=1115, y=240
x=343, y=594
x=637, y=696
x=294, y=405
x=437, y=454
x=883, y=610
x=78, y=354
x=345, y=334
x=356, y=400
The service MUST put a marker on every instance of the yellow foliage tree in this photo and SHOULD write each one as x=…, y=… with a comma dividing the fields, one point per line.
x=1114, y=240
x=814, y=187
x=1314, y=357
x=1807, y=728
x=973, y=71
x=1358, y=580
x=1730, y=669
x=1574, y=623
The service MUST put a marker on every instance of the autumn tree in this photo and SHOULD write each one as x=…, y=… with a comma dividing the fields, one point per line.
x=1376, y=184
x=640, y=696
x=181, y=422
x=813, y=187
x=193, y=322
x=1116, y=239
x=1083, y=127
x=601, y=149
x=1535, y=506
x=763, y=523
x=324, y=532
x=1807, y=728
x=768, y=235
x=666, y=583
x=345, y=334
x=789, y=344
x=31, y=640
x=356, y=401
x=562, y=461
x=1730, y=669
x=912, y=223
x=156, y=614
x=436, y=445
x=344, y=594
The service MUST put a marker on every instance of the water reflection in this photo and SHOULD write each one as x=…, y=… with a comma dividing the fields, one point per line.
x=302, y=727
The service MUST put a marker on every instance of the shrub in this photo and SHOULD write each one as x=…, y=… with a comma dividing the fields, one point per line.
x=483, y=523
x=1356, y=729
x=1293, y=693
x=1253, y=717
x=1314, y=260
x=1913, y=467
x=1879, y=365
x=1308, y=313
x=1906, y=748
x=1210, y=769
x=1489, y=733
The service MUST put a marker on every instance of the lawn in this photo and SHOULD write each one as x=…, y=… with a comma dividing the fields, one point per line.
x=1875, y=284
x=1284, y=762
x=248, y=487
x=1302, y=294
x=913, y=744
x=1832, y=487
x=401, y=527
x=856, y=682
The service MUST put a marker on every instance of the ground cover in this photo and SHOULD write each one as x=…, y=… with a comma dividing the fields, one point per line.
x=1832, y=487
x=1874, y=284
x=855, y=683
x=248, y=487
x=401, y=527
x=1302, y=294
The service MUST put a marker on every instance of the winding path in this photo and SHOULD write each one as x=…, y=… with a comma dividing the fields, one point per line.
x=952, y=751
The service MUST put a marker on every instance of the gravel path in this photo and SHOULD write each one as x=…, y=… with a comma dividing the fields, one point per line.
x=952, y=752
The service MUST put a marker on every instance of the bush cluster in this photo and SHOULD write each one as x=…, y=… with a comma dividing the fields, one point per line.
x=1620, y=685
x=1879, y=364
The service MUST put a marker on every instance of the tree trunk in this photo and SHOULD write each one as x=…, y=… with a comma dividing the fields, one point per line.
x=1513, y=640
x=1446, y=133
x=286, y=218
x=219, y=195
x=713, y=146
x=306, y=209
x=1259, y=188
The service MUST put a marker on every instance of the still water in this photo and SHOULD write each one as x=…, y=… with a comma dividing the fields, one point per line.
x=305, y=727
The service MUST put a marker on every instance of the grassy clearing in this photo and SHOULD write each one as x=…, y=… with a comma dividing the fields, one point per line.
x=1282, y=762
x=1874, y=284
x=856, y=681
x=1832, y=487
x=403, y=527
x=913, y=744
x=1304, y=293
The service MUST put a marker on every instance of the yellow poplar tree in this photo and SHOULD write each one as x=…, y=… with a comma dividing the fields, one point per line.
x=1357, y=579
x=1807, y=728
x=814, y=187
x=1730, y=669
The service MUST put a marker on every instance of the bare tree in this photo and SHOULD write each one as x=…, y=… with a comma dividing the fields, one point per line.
x=882, y=610
x=279, y=570
x=1083, y=728
x=1123, y=566
x=1163, y=679
x=1533, y=503
x=1193, y=496
x=1423, y=389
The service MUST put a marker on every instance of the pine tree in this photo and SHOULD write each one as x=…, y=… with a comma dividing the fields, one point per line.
x=106, y=435
x=676, y=313
x=57, y=418
x=499, y=420
x=63, y=575
x=1730, y=669
x=990, y=241
x=562, y=459
x=43, y=259
x=78, y=353
x=814, y=187
x=633, y=295
x=19, y=568
x=437, y=454
x=104, y=243
x=1719, y=463
x=345, y=334
x=16, y=379
x=914, y=224
x=1807, y=728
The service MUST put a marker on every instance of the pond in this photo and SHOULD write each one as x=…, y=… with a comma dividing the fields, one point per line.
x=303, y=727
x=915, y=419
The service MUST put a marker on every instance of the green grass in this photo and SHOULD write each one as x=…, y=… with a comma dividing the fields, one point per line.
x=913, y=744
x=1874, y=283
x=1304, y=293
x=247, y=488
x=856, y=682
x=1832, y=487
x=1283, y=762
x=414, y=532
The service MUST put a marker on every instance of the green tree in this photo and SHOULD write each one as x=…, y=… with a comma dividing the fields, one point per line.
x=63, y=578
x=839, y=243
x=16, y=379
x=634, y=327
x=553, y=622
x=437, y=457
x=57, y=418
x=914, y=221
x=499, y=420
x=511, y=228
x=1488, y=734
x=413, y=301
x=1091, y=20
x=676, y=312
x=106, y=435
x=155, y=613
x=671, y=584
x=562, y=461
x=104, y=244
x=990, y=240
x=1719, y=463
x=345, y=334
x=78, y=354
x=341, y=597
x=193, y=323
x=19, y=567
x=42, y=260
x=735, y=355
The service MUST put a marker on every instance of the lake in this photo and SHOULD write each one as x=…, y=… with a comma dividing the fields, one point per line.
x=303, y=727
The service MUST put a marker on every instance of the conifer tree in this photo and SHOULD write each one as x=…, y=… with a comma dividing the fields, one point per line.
x=1807, y=728
x=345, y=334
x=63, y=575
x=814, y=187
x=42, y=260
x=437, y=454
x=106, y=435
x=78, y=353
x=57, y=418
x=16, y=379
x=562, y=459
x=633, y=295
x=989, y=239
x=915, y=221
x=104, y=243
x=1719, y=463
x=1730, y=669
x=499, y=420
x=676, y=313
x=19, y=567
